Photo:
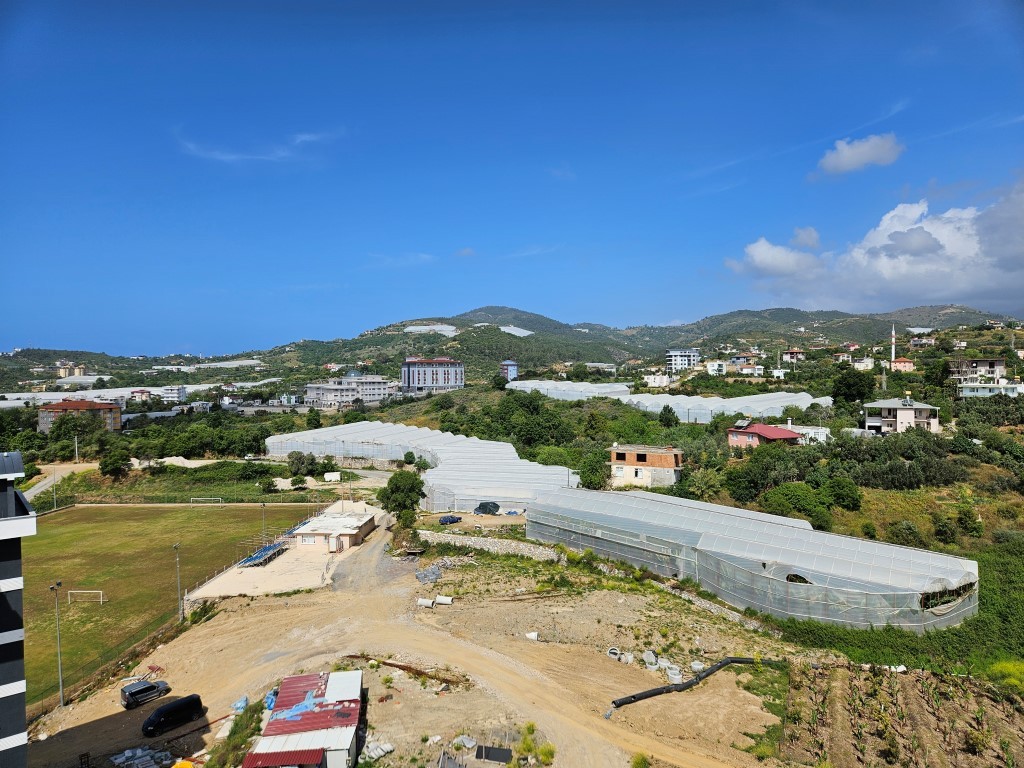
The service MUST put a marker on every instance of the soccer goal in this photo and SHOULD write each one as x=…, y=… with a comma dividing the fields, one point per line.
x=86, y=596
x=216, y=501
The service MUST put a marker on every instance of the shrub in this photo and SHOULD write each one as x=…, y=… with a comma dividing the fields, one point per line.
x=546, y=753
x=906, y=534
x=640, y=760
x=869, y=530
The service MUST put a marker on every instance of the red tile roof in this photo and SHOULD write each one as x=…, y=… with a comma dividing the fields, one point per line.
x=273, y=759
x=77, y=405
x=768, y=432
x=302, y=706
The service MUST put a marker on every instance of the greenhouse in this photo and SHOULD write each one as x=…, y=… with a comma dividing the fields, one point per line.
x=689, y=408
x=772, y=564
x=465, y=470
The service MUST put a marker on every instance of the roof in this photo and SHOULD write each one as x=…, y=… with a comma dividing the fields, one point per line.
x=78, y=405
x=294, y=757
x=768, y=432
x=431, y=360
x=332, y=523
x=11, y=466
x=903, y=360
x=303, y=705
x=645, y=448
x=896, y=402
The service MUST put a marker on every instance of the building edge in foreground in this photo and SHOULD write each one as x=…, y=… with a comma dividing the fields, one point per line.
x=17, y=520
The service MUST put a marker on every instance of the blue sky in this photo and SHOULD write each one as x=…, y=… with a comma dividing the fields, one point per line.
x=213, y=177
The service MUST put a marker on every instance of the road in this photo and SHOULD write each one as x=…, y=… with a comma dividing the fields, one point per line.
x=55, y=473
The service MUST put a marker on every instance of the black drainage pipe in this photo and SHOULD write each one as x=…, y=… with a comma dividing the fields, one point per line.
x=688, y=684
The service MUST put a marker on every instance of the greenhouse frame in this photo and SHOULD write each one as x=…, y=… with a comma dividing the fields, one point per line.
x=465, y=470
x=772, y=564
x=689, y=408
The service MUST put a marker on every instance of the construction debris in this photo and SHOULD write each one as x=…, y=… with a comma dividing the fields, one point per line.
x=143, y=757
x=376, y=749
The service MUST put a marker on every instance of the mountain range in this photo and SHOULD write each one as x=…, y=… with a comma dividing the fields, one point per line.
x=480, y=342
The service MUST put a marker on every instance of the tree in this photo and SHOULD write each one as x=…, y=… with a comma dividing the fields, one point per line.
x=267, y=485
x=668, y=418
x=409, y=458
x=296, y=462
x=116, y=463
x=298, y=482
x=853, y=386
x=498, y=381
x=313, y=420
x=705, y=484
x=842, y=492
x=403, y=492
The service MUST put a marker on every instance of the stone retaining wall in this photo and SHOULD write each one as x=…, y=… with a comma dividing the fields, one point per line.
x=497, y=546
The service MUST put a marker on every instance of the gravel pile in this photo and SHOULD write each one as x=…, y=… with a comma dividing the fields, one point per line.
x=497, y=546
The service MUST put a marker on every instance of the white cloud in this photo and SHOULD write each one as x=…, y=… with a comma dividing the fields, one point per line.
x=563, y=173
x=806, y=237
x=878, y=149
x=765, y=259
x=272, y=153
x=913, y=257
x=466, y=252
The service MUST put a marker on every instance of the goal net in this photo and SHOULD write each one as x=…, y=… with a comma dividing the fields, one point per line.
x=215, y=501
x=86, y=596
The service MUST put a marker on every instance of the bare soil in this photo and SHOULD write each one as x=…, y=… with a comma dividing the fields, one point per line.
x=564, y=683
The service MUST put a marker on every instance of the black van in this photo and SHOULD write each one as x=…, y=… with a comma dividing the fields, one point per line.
x=170, y=716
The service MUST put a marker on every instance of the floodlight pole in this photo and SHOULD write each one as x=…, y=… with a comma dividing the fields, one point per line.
x=263, y=507
x=55, y=588
x=177, y=572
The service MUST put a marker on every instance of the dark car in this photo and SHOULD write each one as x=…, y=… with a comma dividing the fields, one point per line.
x=450, y=519
x=171, y=715
x=487, y=508
x=142, y=691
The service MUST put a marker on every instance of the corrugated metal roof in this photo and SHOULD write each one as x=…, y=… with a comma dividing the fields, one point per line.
x=303, y=705
x=273, y=759
x=328, y=739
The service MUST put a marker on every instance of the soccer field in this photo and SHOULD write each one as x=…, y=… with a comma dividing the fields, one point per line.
x=126, y=551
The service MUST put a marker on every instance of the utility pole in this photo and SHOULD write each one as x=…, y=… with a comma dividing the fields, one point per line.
x=53, y=485
x=55, y=588
x=76, y=449
x=177, y=572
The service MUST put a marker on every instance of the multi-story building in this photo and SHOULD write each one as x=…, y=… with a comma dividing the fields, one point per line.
x=747, y=435
x=109, y=413
x=17, y=520
x=509, y=370
x=172, y=393
x=644, y=465
x=793, y=356
x=433, y=374
x=716, y=367
x=902, y=364
x=1001, y=387
x=681, y=359
x=896, y=415
x=339, y=393
x=864, y=364
x=973, y=370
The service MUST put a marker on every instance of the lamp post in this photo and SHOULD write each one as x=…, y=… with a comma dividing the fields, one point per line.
x=55, y=588
x=177, y=573
x=263, y=508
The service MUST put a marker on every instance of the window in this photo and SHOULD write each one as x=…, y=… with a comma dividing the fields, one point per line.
x=641, y=457
x=620, y=457
x=307, y=539
x=638, y=472
x=618, y=471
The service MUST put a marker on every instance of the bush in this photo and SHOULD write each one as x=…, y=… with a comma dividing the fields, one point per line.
x=640, y=760
x=906, y=534
x=945, y=529
x=869, y=530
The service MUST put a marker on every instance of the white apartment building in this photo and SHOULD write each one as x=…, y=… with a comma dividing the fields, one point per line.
x=716, y=367
x=173, y=393
x=437, y=374
x=681, y=359
x=338, y=393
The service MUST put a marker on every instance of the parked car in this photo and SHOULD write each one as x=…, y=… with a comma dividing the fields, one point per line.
x=487, y=508
x=450, y=519
x=170, y=716
x=142, y=691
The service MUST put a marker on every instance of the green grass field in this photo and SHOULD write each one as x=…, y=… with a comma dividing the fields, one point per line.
x=127, y=551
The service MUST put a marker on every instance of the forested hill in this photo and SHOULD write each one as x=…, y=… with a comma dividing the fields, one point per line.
x=481, y=343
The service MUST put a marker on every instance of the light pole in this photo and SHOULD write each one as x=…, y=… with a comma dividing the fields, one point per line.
x=55, y=588
x=177, y=572
x=263, y=508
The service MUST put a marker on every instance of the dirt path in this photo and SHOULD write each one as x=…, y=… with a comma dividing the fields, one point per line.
x=565, y=689
x=55, y=473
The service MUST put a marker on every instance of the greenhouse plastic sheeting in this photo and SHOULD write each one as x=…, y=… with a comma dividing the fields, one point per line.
x=465, y=471
x=693, y=409
x=753, y=560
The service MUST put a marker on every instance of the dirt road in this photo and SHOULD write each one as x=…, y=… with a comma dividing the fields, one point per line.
x=564, y=688
x=55, y=473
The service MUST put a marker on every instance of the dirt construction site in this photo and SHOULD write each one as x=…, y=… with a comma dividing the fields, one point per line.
x=521, y=643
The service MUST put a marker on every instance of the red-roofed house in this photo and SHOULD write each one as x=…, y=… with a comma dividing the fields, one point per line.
x=754, y=435
x=313, y=723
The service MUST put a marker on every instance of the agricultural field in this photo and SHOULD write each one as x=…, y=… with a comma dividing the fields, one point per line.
x=126, y=551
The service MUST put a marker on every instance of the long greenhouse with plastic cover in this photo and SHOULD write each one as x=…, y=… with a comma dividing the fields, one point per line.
x=696, y=409
x=465, y=470
x=753, y=560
